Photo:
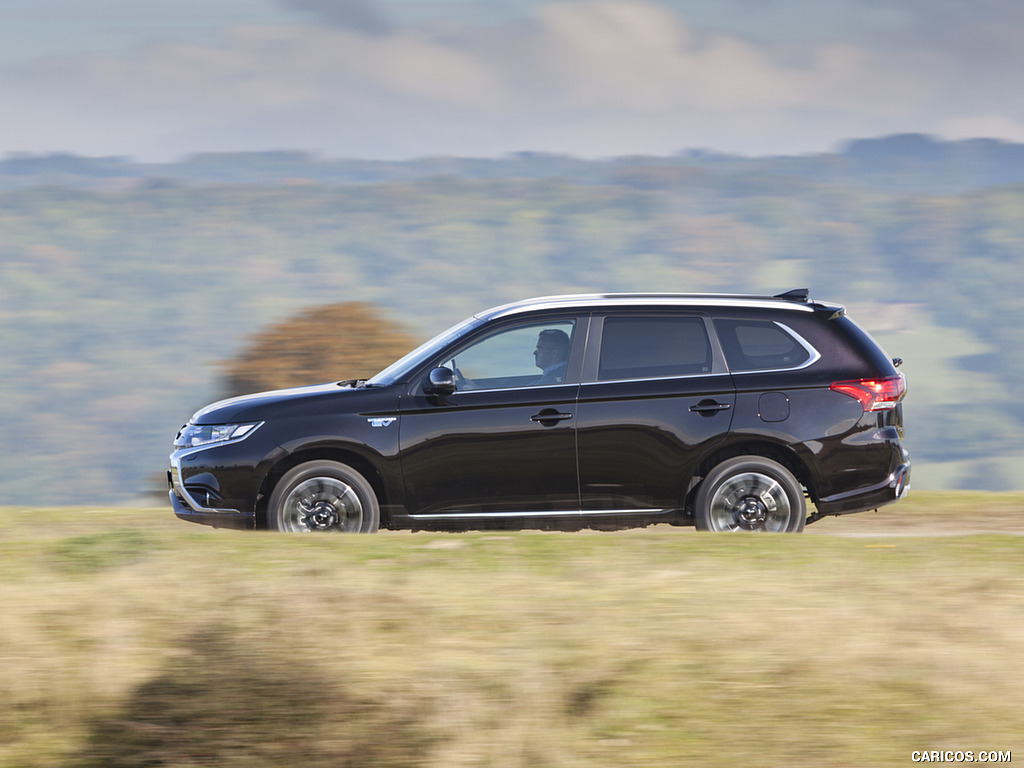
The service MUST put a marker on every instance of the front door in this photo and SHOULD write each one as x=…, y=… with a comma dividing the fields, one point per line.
x=504, y=444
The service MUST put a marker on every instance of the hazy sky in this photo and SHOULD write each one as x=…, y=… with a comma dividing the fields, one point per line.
x=156, y=80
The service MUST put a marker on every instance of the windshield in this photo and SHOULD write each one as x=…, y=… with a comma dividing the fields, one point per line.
x=401, y=370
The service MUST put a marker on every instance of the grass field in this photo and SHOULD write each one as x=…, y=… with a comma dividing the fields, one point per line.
x=132, y=639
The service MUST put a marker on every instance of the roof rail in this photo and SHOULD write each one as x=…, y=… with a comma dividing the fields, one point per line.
x=803, y=295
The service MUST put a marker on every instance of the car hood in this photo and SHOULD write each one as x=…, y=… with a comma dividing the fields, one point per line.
x=260, y=405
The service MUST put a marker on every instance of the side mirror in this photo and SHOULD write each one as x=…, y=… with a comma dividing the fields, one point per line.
x=441, y=382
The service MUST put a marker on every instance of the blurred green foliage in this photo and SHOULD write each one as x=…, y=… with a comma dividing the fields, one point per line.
x=97, y=551
x=122, y=300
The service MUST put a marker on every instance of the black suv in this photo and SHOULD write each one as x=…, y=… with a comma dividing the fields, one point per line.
x=724, y=412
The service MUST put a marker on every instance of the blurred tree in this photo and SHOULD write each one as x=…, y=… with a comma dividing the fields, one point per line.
x=347, y=340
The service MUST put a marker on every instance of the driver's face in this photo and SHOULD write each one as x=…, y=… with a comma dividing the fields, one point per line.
x=545, y=355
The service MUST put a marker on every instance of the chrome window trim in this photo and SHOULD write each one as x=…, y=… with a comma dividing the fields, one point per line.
x=657, y=378
x=815, y=355
x=603, y=381
x=523, y=388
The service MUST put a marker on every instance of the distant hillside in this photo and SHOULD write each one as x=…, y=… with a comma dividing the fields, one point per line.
x=907, y=162
x=124, y=287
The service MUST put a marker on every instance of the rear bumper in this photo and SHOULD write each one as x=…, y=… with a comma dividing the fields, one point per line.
x=890, y=490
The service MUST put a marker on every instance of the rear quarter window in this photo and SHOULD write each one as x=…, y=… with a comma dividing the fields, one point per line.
x=760, y=345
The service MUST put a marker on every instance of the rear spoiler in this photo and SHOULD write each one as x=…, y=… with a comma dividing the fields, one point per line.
x=803, y=296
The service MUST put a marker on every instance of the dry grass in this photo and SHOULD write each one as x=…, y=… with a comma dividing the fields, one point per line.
x=130, y=639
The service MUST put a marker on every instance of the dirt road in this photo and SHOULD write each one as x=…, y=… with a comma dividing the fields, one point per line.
x=933, y=514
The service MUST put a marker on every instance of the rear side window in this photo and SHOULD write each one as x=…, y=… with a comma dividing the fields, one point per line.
x=653, y=347
x=761, y=345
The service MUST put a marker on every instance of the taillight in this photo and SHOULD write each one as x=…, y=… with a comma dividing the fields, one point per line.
x=874, y=394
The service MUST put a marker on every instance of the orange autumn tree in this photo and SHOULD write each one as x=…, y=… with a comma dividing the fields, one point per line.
x=349, y=340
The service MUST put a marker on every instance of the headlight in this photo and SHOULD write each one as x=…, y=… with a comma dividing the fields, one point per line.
x=193, y=435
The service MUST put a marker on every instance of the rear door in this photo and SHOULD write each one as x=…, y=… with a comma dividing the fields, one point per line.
x=655, y=396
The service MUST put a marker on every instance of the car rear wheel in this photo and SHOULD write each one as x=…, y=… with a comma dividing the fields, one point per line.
x=323, y=496
x=750, y=493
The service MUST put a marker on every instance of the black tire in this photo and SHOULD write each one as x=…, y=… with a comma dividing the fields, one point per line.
x=323, y=496
x=750, y=493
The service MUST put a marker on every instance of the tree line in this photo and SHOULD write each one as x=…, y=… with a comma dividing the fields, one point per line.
x=123, y=307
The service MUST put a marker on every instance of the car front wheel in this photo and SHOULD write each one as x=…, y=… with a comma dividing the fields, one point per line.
x=750, y=493
x=323, y=496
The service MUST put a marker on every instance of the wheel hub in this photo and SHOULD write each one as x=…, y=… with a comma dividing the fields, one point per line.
x=319, y=516
x=751, y=512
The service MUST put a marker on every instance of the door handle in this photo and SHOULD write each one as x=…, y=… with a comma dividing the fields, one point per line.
x=549, y=417
x=709, y=407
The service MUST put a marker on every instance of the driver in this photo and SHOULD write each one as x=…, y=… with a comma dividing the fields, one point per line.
x=551, y=356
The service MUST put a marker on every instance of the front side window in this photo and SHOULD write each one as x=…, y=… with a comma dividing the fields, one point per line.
x=653, y=347
x=762, y=345
x=530, y=355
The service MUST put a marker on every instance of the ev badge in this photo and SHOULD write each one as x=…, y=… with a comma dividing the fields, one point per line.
x=382, y=421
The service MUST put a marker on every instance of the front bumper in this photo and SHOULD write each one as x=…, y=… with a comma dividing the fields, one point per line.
x=218, y=484
x=197, y=501
x=218, y=518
